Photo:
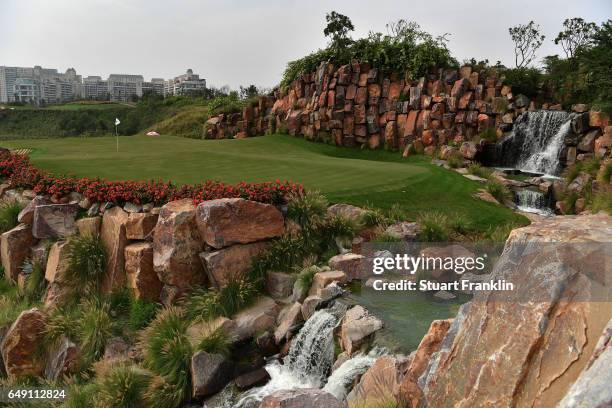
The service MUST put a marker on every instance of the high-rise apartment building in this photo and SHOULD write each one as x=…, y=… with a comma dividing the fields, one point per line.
x=185, y=84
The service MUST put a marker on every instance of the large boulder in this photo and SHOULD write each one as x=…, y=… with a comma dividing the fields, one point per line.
x=252, y=379
x=26, y=215
x=141, y=276
x=322, y=279
x=58, y=262
x=403, y=230
x=140, y=225
x=176, y=245
x=63, y=359
x=357, y=326
x=279, y=285
x=54, y=220
x=592, y=388
x=259, y=317
x=379, y=383
x=209, y=373
x=347, y=211
x=230, y=264
x=89, y=226
x=526, y=347
x=351, y=264
x=301, y=398
x=229, y=221
x=114, y=240
x=14, y=249
x=20, y=347
x=288, y=318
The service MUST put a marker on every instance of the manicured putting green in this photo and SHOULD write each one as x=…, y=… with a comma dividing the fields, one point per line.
x=376, y=178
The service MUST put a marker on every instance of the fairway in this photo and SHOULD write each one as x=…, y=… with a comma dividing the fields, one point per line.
x=377, y=178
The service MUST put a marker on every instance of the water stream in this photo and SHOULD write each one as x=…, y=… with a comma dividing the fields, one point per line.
x=536, y=142
x=533, y=201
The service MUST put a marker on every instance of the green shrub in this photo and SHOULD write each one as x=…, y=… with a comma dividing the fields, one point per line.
x=477, y=170
x=396, y=213
x=167, y=352
x=306, y=277
x=386, y=237
x=87, y=262
x=81, y=395
x=122, y=386
x=215, y=342
x=489, y=134
x=307, y=210
x=499, y=233
x=9, y=211
x=62, y=322
x=35, y=283
x=141, y=313
x=605, y=172
x=236, y=295
x=602, y=201
x=499, y=191
x=11, y=303
x=284, y=254
x=433, y=227
x=372, y=218
x=455, y=160
x=524, y=81
x=207, y=304
x=460, y=224
x=203, y=304
x=96, y=326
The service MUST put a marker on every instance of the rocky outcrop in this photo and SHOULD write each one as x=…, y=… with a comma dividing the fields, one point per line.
x=287, y=319
x=54, y=220
x=404, y=230
x=114, y=240
x=592, y=388
x=279, y=285
x=176, y=245
x=58, y=262
x=140, y=225
x=89, y=226
x=301, y=398
x=379, y=383
x=351, y=212
x=259, y=317
x=252, y=379
x=357, y=326
x=230, y=264
x=229, y=221
x=20, y=347
x=209, y=373
x=528, y=346
x=26, y=215
x=323, y=279
x=141, y=276
x=14, y=249
x=351, y=264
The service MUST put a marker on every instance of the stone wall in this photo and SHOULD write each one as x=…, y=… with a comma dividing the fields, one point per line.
x=354, y=105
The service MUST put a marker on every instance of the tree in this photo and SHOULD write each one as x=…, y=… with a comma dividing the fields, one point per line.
x=527, y=39
x=248, y=92
x=577, y=33
x=338, y=28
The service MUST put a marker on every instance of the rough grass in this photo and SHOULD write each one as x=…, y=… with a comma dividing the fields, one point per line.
x=379, y=178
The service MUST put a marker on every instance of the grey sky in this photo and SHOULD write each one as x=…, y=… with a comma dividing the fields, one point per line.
x=240, y=41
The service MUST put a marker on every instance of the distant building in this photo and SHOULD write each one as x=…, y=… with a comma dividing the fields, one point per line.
x=156, y=86
x=95, y=88
x=38, y=85
x=122, y=87
x=185, y=84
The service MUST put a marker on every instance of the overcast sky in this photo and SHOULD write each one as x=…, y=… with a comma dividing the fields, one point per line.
x=238, y=42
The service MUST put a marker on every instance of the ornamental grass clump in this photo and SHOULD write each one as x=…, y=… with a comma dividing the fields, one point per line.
x=121, y=386
x=433, y=227
x=499, y=191
x=87, y=262
x=9, y=211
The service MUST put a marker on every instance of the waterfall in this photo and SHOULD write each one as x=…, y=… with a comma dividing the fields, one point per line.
x=536, y=142
x=532, y=201
x=341, y=380
x=306, y=366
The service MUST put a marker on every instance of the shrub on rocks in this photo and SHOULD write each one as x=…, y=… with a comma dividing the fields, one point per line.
x=499, y=191
x=9, y=212
x=87, y=262
x=121, y=386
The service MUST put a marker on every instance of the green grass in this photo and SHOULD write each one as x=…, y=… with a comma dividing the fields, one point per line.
x=378, y=179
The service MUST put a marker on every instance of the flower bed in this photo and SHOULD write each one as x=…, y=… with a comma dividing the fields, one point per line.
x=21, y=173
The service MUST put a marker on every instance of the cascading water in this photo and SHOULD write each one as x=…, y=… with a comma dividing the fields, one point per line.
x=536, y=142
x=306, y=366
x=533, y=201
x=343, y=377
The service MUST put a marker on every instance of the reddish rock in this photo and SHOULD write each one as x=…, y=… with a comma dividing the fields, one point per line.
x=460, y=87
x=351, y=264
x=141, y=276
x=54, y=220
x=430, y=344
x=428, y=137
x=14, y=249
x=348, y=125
x=20, y=346
x=410, y=128
x=63, y=360
x=378, y=383
x=279, y=285
x=357, y=327
x=360, y=114
x=114, y=239
x=288, y=317
x=322, y=279
x=89, y=226
x=255, y=319
x=351, y=92
x=229, y=264
x=26, y=215
x=390, y=135
x=361, y=97
x=301, y=398
x=209, y=373
x=176, y=245
x=596, y=118
x=230, y=221
x=58, y=262
x=140, y=225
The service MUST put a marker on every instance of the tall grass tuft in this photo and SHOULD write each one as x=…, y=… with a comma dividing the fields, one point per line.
x=35, y=283
x=602, y=201
x=215, y=342
x=605, y=172
x=477, y=170
x=9, y=211
x=433, y=227
x=87, y=262
x=163, y=393
x=122, y=386
x=499, y=191
x=372, y=218
x=141, y=313
x=96, y=326
x=307, y=210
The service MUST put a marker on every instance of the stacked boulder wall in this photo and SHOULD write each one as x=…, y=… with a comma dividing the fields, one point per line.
x=229, y=221
x=114, y=237
x=527, y=347
x=176, y=245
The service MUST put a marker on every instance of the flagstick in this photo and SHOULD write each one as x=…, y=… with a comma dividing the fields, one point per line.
x=117, y=137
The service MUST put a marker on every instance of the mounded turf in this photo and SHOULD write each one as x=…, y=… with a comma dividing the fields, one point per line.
x=376, y=178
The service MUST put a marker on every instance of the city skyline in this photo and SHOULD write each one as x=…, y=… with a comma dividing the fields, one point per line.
x=241, y=43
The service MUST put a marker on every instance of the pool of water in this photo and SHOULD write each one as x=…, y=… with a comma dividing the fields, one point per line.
x=406, y=314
